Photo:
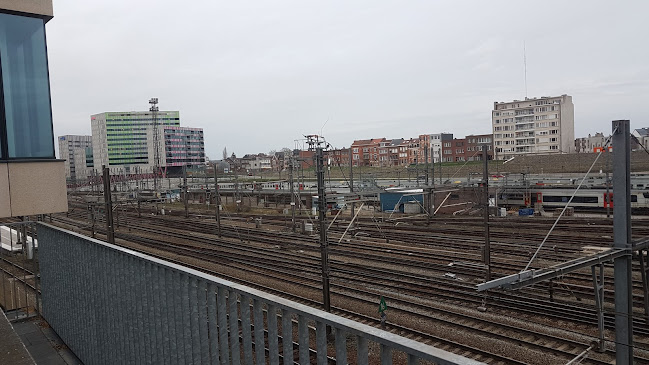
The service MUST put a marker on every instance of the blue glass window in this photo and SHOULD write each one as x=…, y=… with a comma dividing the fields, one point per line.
x=26, y=118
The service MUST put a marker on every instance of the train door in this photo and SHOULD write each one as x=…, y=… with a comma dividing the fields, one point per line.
x=608, y=200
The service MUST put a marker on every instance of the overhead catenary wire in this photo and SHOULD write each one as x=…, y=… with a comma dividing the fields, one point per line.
x=461, y=167
x=568, y=203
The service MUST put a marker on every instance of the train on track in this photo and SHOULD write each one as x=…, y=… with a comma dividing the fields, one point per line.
x=596, y=199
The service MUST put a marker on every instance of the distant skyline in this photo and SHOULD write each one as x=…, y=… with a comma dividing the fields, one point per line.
x=257, y=76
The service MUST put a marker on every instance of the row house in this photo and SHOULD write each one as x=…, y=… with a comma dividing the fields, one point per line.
x=415, y=152
x=365, y=152
x=434, y=144
x=389, y=152
x=468, y=148
x=338, y=157
x=305, y=158
x=393, y=152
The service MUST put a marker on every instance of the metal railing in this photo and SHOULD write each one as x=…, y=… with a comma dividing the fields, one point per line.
x=112, y=305
x=19, y=268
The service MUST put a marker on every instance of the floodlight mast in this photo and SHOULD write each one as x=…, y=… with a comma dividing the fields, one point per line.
x=156, y=140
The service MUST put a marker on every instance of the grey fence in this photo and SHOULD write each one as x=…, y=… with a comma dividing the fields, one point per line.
x=18, y=268
x=112, y=305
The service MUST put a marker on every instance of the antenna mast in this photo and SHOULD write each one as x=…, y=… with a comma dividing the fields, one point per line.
x=525, y=67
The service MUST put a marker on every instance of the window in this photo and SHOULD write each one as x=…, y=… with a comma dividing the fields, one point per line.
x=25, y=113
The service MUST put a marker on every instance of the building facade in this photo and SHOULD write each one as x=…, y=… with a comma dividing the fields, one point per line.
x=544, y=125
x=70, y=149
x=470, y=148
x=123, y=141
x=434, y=143
x=590, y=144
x=183, y=146
x=32, y=180
x=365, y=152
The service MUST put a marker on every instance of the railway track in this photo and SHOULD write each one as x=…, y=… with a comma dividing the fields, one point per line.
x=270, y=261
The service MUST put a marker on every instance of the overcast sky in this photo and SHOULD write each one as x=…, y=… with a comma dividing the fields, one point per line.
x=256, y=75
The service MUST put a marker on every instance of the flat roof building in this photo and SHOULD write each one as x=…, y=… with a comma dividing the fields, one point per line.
x=71, y=147
x=123, y=141
x=544, y=125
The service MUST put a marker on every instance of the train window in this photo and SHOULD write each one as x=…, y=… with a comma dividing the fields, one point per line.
x=564, y=199
x=455, y=197
x=585, y=199
x=554, y=199
x=646, y=195
x=634, y=198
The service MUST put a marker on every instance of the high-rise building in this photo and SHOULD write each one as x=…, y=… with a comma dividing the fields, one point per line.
x=183, y=146
x=544, y=125
x=32, y=180
x=70, y=148
x=125, y=142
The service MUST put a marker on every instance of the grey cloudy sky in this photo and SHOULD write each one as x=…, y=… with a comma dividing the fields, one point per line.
x=256, y=75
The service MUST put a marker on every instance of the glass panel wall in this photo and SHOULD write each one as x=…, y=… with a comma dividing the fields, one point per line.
x=25, y=89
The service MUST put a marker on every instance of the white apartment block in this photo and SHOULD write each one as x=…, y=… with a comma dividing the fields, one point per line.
x=70, y=147
x=544, y=125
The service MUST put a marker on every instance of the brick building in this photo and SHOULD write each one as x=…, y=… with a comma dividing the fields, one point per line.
x=338, y=157
x=365, y=152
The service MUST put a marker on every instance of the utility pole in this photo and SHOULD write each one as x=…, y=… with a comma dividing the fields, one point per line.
x=427, y=188
x=608, y=195
x=292, y=189
x=432, y=186
x=487, y=244
x=217, y=201
x=315, y=142
x=185, y=195
x=351, y=179
x=622, y=239
x=110, y=229
x=440, y=165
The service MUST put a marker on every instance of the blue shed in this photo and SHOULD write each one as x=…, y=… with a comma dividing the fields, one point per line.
x=393, y=201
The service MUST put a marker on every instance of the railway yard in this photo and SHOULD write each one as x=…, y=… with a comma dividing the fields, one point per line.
x=427, y=273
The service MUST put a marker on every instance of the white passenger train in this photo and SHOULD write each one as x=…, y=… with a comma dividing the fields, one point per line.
x=585, y=199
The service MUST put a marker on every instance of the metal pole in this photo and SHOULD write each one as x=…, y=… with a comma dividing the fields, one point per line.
x=92, y=217
x=186, y=197
x=110, y=232
x=217, y=201
x=622, y=239
x=351, y=179
x=426, y=159
x=322, y=216
x=440, y=165
x=608, y=182
x=487, y=243
x=292, y=189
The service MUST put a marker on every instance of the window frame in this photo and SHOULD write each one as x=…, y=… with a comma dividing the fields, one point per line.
x=4, y=142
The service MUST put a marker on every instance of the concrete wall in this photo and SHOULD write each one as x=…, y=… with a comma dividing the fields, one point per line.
x=31, y=188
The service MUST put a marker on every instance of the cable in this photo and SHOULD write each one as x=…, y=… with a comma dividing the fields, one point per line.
x=461, y=167
x=568, y=203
